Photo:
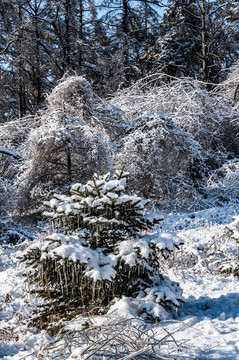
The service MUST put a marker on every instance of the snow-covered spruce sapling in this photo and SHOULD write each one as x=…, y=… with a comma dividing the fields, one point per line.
x=100, y=249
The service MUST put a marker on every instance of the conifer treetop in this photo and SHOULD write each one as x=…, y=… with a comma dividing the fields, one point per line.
x=102, y=204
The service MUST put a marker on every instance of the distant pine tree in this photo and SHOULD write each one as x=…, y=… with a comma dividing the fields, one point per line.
x=177, y=50
x=100, y=249
x=197, y=38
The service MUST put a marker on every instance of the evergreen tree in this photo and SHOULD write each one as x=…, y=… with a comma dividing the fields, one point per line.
x=178, y=46
x=198, y=38
x=99, y=249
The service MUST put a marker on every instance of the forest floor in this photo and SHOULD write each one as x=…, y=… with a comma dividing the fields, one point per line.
x=206, y=325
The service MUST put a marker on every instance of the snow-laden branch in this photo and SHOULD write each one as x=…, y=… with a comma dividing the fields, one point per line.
x=10, y=152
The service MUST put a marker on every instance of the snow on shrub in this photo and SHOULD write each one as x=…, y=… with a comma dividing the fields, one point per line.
x=230, y=88
x=231, y=266
x=173, y=133
x=179, y=133
x=100, y=250
x=223, y=183
x=62, y=149
x=5, y=193
x=206, y=116
x=161, y=157
x=75, y=95
x=72, y=139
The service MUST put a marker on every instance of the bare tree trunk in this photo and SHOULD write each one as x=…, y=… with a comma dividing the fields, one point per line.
x=21, y=94
x=69, y=164
x=125, y=39
x=80, y=60
x=67, y=36
x=146, y=24
x=236, y=92
x=203, y=40
x=37, y=80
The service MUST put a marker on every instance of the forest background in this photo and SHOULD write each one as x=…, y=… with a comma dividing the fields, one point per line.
x=150, y=85
x=111, y=43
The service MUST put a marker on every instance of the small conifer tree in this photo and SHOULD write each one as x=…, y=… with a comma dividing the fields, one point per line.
x=100, y=249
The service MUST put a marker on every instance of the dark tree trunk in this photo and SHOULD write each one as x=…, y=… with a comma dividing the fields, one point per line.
x=80, y=60
x=20, y=92
x=203, y=39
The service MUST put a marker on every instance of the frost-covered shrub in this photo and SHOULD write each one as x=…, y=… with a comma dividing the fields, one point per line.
x=7, y=226
x=10, y=230
x=114, y=338
x=230, y=87
x=64, y=148
x=13, y=133
x=223, y=183
x=5, y=193
x=160, y=156
x=76, y=97
x=209, y=247
x=4, y=208
x=228, y=93
x=171, y=155
x=195, y=110
x=199, y=130
x=100, y=250
x=231, y=266
x=73, y=138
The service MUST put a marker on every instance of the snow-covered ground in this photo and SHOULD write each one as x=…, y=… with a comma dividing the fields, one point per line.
x=212, y=309
x=206, y=326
